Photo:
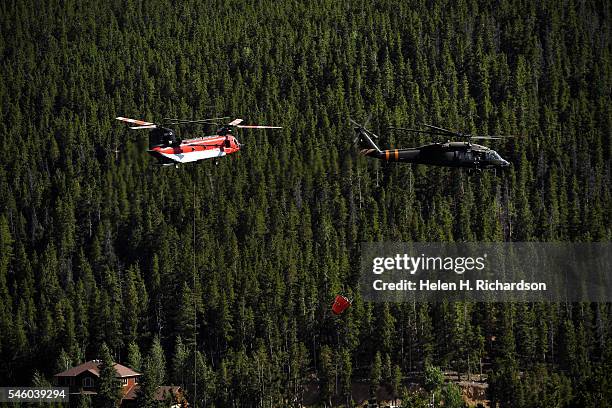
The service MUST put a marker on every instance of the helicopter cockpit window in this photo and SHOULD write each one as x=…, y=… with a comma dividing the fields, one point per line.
x=227, y=143
x=493, y=156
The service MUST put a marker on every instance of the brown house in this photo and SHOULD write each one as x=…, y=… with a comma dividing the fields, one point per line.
x=83, y=379
x=172, y=393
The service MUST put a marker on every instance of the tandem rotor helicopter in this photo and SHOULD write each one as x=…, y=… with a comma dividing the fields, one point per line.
x=170, y=150
x=449, y=154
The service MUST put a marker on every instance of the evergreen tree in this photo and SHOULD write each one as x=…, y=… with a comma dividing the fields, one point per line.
x=451, y=395
x=154, y=375
x=179, y=362
x=109, y=387
x=433, y=378
x=134, y=358
x=328, y=371
x=414, y=399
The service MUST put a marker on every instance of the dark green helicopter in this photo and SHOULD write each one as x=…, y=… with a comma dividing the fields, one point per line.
x=449, y=154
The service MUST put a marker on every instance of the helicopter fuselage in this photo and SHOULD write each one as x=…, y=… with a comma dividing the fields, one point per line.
x=169, y=149
x=192, y=150
x=449, y=154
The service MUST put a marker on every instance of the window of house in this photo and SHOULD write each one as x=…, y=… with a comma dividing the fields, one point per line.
x=124, y=381
x=88, y=382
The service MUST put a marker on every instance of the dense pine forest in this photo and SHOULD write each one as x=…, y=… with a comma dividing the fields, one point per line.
x=98, y=246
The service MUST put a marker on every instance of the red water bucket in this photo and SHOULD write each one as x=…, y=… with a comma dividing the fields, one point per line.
x=340, y=304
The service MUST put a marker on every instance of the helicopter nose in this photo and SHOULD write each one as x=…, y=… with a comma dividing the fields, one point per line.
x=505, y=163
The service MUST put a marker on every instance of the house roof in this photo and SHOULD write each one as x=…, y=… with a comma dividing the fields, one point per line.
x=160, y=393
x=93, y=367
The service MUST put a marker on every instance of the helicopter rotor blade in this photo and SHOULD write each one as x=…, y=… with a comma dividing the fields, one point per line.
x=200, y=120
x=135, y=121
x=439, y=129
x=170, y=121
x=371, y=133
x=191, y=120
x=258, y=127
x=490, y=137
x=237, y=123
x=143, y=127
x=427, y=132
x=355, y=123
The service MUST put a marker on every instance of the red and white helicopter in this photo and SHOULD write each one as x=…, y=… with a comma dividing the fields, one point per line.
x=170, y=150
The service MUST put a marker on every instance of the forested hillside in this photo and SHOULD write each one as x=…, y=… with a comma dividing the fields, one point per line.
x=97, y=243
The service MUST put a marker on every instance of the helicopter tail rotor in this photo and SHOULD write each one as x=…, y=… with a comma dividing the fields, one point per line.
x=364, y=136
